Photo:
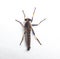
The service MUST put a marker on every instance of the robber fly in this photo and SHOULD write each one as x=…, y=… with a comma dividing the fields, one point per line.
x=27, y=30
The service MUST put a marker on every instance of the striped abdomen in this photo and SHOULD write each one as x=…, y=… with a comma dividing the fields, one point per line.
x=27, y=39
x=27, y=35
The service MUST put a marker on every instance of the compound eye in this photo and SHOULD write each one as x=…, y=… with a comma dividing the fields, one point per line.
x=25, y=19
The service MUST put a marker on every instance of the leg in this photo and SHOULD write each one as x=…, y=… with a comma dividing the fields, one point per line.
x=36, y=37
x=22, y=38
x=20, y=23
x=39, y=23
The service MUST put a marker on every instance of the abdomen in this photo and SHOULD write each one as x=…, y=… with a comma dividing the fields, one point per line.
x=27, y=39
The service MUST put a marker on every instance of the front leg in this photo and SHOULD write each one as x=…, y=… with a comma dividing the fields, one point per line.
x=24, y=32
x=36, y=37
x=39, y=22
x=20, y=23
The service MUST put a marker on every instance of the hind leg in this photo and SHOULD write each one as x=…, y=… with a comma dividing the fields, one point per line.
x=36, y=37
x=22, y=38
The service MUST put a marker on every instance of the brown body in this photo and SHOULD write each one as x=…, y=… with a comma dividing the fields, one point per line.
x=27, y=30
x=27, y=33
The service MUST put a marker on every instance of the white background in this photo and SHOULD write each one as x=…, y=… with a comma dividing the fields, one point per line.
x=48, y=32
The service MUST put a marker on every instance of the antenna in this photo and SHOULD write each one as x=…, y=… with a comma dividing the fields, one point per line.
x=33, y=13
x=24, y=14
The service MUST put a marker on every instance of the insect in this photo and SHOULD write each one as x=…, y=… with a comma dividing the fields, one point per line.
x=27, y=30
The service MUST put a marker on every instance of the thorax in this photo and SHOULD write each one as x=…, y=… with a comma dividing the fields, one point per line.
x=28, y=26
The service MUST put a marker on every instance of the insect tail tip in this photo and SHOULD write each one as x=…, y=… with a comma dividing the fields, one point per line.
x=28, y=49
